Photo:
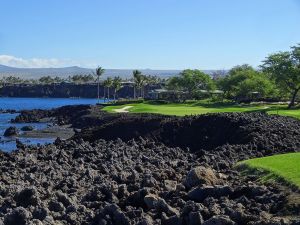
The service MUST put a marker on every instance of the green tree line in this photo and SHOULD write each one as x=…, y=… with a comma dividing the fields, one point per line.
x=278, y=77
x=76, y=79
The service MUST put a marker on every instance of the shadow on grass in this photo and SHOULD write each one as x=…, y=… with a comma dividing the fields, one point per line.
x=264, y=176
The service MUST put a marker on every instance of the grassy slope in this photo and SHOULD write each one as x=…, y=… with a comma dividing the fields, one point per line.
x=180, y=110
x=201, y=107
x=285, y=166
x=286, y=112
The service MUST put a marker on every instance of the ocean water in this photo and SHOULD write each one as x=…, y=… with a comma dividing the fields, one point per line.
x=9, y=143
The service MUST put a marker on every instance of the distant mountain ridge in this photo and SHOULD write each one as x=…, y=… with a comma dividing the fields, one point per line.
x=64, y=72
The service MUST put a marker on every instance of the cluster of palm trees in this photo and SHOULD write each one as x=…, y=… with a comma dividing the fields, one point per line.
x=114, y=83
x=43, y=80
x=140, y=82
x=108, y=83
x=75, y=79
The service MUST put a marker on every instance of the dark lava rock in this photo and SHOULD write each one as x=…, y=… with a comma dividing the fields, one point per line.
x=149, y=169
x=219, y=220
x=40, y=213
x=27, y=128
x=11, y=131
x=19, y=216
x=26, y=197
x=195, y=218
x=19, y=144
x=229, y=136
x=32, y=116
x=198, y=194
x=56, y=206
x=200, y=175
x=10, y=111
x=78, y=115
x=77, y=182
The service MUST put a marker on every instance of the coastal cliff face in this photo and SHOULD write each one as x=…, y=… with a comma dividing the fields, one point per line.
x=65, y=91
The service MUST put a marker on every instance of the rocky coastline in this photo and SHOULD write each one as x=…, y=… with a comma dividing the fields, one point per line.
x=127, y=169
x=66, y=90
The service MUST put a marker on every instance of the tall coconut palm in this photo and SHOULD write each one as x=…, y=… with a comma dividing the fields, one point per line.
x=104, y=86
x=99, y=73
x=107, y=84
x=148, y=81
x=117, y=85
x=152, y=80
x=137, y=78
x=144, y=82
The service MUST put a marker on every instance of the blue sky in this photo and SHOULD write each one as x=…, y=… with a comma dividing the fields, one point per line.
x=156, y=34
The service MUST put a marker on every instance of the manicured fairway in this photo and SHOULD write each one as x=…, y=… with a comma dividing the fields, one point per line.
x=201, y=107
x=285, y=166
x=181, y=109
x=286, y=112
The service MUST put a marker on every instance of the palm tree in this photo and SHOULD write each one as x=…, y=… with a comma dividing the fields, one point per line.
x=152, y=80
x=148, y=81
x=99, y=73
x=104, y=86
x=107, y=83
x=117, y=85
x=144, y=82
x=137, y=78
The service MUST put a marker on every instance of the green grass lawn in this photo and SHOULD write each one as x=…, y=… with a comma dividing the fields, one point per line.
x=178, y=109
x=284, y=167
x=201, y=107
x=285, y=112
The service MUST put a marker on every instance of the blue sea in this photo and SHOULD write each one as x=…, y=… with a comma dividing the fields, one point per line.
x=9, y=144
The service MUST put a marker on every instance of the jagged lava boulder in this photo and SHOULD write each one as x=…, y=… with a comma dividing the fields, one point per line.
x=11, y=131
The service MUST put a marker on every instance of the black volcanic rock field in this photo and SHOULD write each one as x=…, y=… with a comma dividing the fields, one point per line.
x=128, y=169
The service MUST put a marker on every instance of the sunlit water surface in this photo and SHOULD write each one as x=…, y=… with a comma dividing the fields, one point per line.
x=8, y=143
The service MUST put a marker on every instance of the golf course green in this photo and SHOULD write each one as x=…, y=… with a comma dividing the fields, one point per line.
x=202, y=107
x=285, y=167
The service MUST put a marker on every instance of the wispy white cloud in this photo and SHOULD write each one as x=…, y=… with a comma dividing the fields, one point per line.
x=13, y=61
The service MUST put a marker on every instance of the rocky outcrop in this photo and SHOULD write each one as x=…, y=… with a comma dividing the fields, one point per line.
x=149, y=169
x=78, y=115
x=113, y=182
x=11, y=131
x=228, y=137
x=200, y=175
x=32, y=116
x=65, y=90
x=27, y=128
x=9, y=111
